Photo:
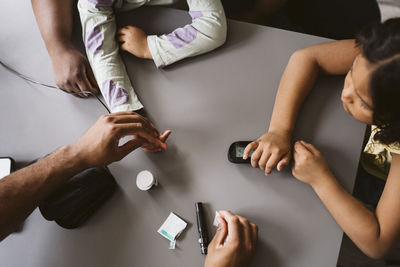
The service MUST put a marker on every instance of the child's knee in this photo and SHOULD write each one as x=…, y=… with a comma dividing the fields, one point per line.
x=95, y=6
x=216, y=34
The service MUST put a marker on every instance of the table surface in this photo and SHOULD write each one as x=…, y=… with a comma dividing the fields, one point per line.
x=209, y=102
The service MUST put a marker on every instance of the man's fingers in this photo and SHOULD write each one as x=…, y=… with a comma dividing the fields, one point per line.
x=79, y=92
x=234, y=226
x=86, y=79
x=284, y=161
x=247, y=236
x=131, y=117
x=148, y=148
x=71, y=89
x=151, y=150
x=221, y=233
x=84, y=85
x=92, y=80
x=249, y=148
x=165, y=135
x=125, y=129
x=129, y=146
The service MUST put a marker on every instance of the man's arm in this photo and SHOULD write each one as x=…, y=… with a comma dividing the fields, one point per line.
x=71, y=69
x=21, y=192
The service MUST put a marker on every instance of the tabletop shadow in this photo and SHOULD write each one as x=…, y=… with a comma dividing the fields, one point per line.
x=177, y=173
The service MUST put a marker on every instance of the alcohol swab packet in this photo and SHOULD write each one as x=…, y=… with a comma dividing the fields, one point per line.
x=172, y=228
x=215, y=223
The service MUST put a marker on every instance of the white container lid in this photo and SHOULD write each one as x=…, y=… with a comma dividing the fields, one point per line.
x=145, y=180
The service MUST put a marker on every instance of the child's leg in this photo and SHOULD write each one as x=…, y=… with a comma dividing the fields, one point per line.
x=99, y=31
x=207, y=32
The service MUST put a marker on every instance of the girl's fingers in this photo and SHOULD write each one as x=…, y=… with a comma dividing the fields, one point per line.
x=273, y=160
x=299, y=148
x=284, y=161
x=250, y=147
x=263, y=160
x=310, y=147
x=256, y=157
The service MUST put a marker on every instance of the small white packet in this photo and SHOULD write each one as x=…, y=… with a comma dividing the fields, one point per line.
x=215, y=223
x=172, y=227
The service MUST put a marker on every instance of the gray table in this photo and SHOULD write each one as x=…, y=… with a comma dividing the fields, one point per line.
x=209, y=102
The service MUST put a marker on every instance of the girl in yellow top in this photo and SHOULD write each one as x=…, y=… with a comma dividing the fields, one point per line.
x=371, y=94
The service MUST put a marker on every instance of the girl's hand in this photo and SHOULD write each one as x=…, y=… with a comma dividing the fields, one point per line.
x=272, y=149
x=309, y=165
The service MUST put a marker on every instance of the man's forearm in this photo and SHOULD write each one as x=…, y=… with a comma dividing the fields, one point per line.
x=55, y=21
x=21, y=192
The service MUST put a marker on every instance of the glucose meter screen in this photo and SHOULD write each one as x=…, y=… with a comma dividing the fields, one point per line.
x=240, y=151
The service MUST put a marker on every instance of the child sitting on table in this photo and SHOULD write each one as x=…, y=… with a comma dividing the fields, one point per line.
x=371, y=94
x=206, y=32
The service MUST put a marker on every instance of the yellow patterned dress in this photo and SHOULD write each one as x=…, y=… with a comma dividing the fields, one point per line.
x=377, y=157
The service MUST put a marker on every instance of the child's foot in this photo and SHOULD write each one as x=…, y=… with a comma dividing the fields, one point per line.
x=134, y=41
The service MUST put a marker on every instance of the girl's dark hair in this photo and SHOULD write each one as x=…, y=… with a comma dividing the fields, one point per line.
x=380, y=45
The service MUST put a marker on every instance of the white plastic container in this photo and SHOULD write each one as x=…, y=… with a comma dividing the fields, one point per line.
x=145, y=180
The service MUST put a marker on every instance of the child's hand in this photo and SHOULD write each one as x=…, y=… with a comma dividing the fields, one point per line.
x=272, y=149
x=150, y=148
x=134, y=41
x=309, y=165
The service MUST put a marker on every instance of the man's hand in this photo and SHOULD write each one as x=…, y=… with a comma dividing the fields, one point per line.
x=151, y=148
x=309, y=165
x=271, y=149
x=72, y=71
x=100, y=144
x=234, y=243
x=134, y=41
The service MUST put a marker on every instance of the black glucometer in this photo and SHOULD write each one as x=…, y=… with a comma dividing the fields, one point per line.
x=6, y=166
x=236, y=151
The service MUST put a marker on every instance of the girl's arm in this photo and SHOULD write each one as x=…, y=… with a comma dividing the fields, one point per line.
x=374, y=233
x=333, y=58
